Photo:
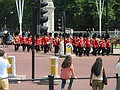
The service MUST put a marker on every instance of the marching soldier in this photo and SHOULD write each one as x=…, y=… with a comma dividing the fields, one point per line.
x=37, y=43
x=108, y=44
x=102, y=45
x=95, y=44
x=44, y=41
x=73, y=42
x=23, y=42
x=16, y=41
x=50, y=42
x=29, y=43
x=56, y=43
x=76, y=44
x=87, y=44
x=80, y=45
x=67, y=40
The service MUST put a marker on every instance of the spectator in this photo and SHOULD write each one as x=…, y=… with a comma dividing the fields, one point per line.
x=96, y=76
x=117, y=66
x=67, y=72
x=4, y=65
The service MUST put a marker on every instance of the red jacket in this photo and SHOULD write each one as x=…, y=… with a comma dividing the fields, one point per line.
x=24, y=40
x=37, y=41
x=95, y=43
x=16, y=40
x=29, y=41
x=67, y=40
x=87, y=42
x=45, y=40
x=80, y=43
x=108, y=44
x=56, y=41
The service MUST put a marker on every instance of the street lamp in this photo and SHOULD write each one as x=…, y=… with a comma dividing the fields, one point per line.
x=100, y=6
x=5, y=27
x=20, y=5
x=11, y=13
x=106, y=17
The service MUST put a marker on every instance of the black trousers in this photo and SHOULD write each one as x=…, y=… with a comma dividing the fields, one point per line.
x=87, y=51
x=56, y=49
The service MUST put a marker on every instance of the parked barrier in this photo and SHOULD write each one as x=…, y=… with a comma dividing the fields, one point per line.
x=12, y=69
x=54, y=66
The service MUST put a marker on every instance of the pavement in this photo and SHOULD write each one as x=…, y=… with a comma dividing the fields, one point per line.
x=82, y=67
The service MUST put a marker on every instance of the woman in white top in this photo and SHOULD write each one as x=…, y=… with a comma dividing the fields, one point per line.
x=96, y=76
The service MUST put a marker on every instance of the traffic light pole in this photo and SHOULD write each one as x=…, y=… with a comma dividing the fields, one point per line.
x=106, y=17
x=34, y=26
x=64, y=25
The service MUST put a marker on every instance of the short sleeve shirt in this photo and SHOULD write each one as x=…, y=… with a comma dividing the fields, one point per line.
x=67, y=72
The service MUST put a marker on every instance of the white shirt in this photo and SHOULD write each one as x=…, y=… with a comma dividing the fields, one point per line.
x=98, y=77
x=118, y=68
x=4, y=65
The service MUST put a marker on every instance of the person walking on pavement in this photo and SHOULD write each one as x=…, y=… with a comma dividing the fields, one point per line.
x=67, y=72
x=4, y=65
x=96, y=75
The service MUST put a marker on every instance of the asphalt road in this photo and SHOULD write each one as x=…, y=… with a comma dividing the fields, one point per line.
x=42, y=68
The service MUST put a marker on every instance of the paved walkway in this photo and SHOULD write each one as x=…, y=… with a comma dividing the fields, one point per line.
x=42, y=68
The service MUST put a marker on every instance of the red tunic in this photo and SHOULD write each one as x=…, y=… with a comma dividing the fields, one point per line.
x=67, y=40
x=108, y=44
x=95, y=43
x=29, y=41
x=87, y=42
x=45, y=40
x=56, y=42
x=80, y=43
x=24, y=40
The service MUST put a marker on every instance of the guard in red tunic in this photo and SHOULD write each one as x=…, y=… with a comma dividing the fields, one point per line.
x=56, y=43
x=67, y=40
x=44, y=41
x=50, y=42
x=95, y=45
x=23, y=42
x=108, y=44
x=76, y=44
x=103, y=45
x=29, y=43
x=37, y=43
x=80, y=45
x=16, y=41
x=87, y=44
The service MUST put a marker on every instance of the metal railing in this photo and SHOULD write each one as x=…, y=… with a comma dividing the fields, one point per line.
x=51, y=79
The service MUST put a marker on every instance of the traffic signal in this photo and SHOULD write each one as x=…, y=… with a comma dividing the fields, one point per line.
x=59, y=24
x=43, y=18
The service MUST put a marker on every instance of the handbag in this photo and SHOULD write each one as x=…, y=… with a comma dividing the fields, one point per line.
x=104, y=81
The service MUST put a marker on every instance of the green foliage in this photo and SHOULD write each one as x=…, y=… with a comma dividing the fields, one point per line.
x=80, y=14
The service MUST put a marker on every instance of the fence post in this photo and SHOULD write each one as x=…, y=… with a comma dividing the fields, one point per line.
x=117, y=80
x=51, y=82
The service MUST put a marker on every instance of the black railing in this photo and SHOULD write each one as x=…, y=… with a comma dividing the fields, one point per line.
x=51, y=79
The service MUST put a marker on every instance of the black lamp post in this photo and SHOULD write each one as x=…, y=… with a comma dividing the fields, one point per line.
x=11, y=13
x=106, y=17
